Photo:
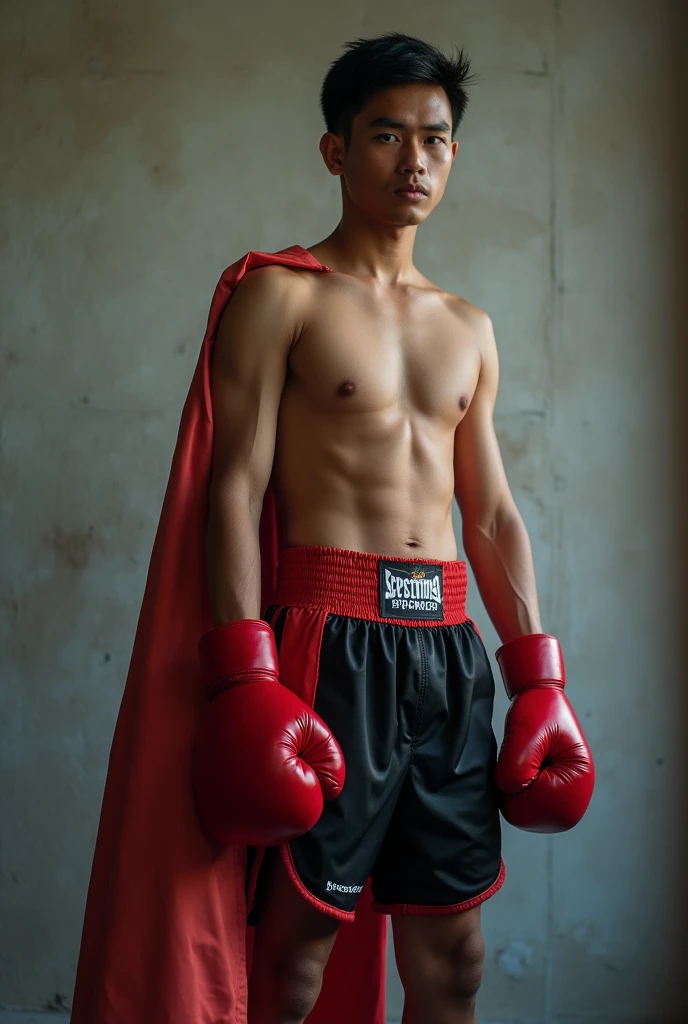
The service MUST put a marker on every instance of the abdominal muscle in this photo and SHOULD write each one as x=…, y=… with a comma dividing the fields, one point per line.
x=377, y=481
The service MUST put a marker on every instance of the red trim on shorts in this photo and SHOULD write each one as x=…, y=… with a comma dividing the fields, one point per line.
x=341, y=581
x=417, y=908
x=325, y=908
x=299, y=651
x=472, y=623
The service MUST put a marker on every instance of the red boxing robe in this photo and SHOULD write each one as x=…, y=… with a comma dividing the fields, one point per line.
x=165, y=936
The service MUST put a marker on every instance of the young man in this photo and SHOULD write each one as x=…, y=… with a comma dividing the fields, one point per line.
x=368, y=392
x=346, y=751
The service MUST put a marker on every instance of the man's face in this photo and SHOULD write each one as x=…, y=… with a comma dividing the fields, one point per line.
x=401, y=138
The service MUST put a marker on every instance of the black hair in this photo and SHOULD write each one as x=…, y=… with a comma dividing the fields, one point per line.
x=370, y=66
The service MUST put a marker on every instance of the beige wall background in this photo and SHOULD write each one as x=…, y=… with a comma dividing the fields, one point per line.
x=147, y=145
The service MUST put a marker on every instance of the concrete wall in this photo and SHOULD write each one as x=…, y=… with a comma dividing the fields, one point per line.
x=146, y=146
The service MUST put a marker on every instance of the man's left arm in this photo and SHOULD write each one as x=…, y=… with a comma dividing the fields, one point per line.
x=545, y=770
x=494, y=535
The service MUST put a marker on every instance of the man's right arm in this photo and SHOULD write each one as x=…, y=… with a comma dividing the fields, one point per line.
x=249, y=786
x=249, y=365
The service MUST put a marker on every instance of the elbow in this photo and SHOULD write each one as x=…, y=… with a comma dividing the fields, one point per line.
x=487, y=525
x=476, y=535
x=230, y=505
x=231, y=492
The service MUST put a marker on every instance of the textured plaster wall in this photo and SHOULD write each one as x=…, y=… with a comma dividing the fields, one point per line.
x=145, y=146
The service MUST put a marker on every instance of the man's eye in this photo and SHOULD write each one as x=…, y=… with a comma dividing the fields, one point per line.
x=438, y=137
x=385, y=135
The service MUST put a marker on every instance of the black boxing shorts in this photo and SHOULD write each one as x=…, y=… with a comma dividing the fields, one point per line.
x=383, y=651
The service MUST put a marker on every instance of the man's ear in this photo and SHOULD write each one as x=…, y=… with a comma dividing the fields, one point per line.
x=332, y=149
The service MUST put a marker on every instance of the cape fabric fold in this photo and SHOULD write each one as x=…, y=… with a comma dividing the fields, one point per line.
x=165, y=937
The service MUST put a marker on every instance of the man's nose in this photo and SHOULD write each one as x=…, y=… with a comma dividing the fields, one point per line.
x=411, y=159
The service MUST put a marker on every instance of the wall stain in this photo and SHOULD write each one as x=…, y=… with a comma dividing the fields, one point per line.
x=57, y=1002
x=73, y=548
x=515, y=434
x=515, y=959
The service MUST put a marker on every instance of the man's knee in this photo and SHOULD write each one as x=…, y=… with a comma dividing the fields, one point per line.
x=445, y=972
x=466, y=968
x=297, y=987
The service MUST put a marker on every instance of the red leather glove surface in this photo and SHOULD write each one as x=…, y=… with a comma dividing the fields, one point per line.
x=545, y=770
x=263, y=760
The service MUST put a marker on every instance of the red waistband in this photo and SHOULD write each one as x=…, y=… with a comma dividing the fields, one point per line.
x=346, y=582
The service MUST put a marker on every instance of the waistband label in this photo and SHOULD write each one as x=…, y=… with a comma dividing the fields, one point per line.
x=410, y=590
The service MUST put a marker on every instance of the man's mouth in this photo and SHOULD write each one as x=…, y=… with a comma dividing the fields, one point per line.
x=412, y=192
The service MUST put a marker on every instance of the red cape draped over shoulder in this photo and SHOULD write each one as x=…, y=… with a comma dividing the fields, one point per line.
x=165, y=937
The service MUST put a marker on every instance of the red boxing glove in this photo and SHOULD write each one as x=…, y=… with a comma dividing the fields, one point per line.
x=545, y=769
x=263, y=761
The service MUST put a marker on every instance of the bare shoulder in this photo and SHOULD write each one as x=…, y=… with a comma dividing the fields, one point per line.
x=270, y=297
x=476, y=320
x=466, y=313
x=274, y=283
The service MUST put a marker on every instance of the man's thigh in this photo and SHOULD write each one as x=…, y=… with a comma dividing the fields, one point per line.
x=291, y=937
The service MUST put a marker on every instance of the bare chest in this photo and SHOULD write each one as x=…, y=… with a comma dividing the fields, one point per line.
x=362, y=352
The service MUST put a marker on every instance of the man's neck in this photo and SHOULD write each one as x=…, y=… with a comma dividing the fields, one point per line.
x=365, y=251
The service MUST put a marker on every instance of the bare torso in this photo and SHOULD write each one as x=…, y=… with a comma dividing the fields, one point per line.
x=378, y=381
